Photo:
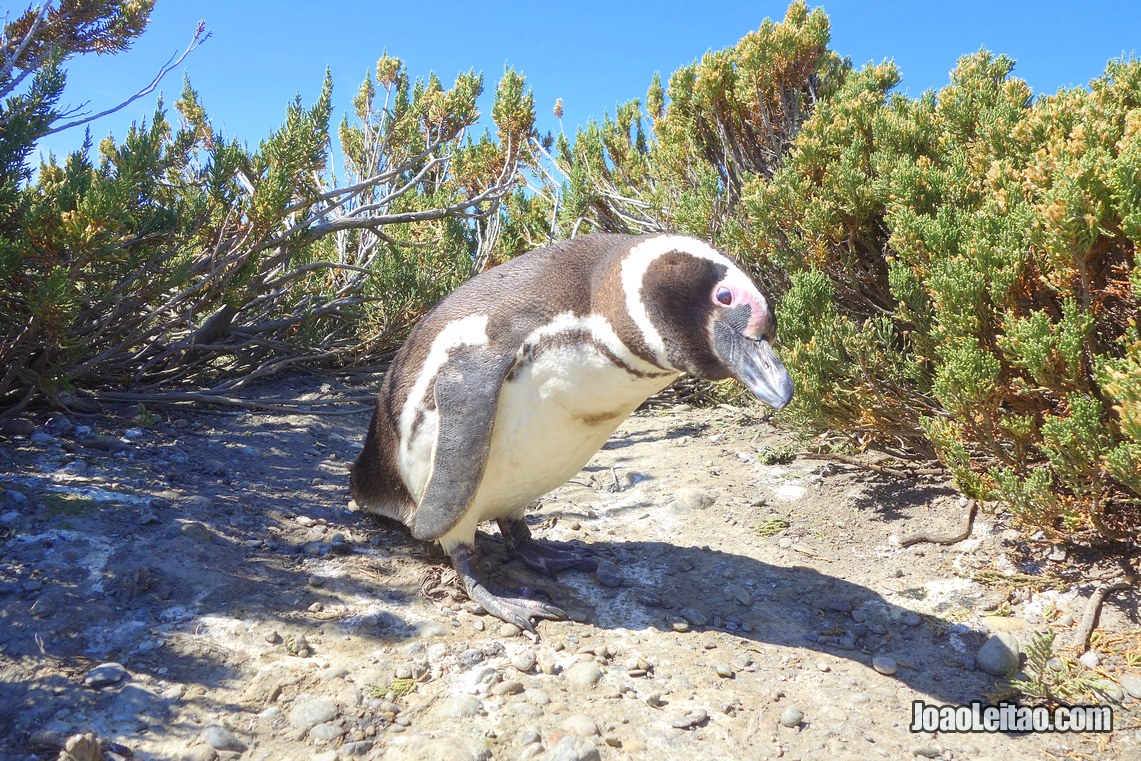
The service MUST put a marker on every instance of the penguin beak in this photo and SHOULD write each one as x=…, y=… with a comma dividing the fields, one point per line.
x=755, y=363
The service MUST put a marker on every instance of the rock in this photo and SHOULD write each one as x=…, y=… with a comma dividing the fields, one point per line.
x=579, y=724
x=583, y=675
x=839, y=605
x=74, y=468
x=724, y=670
x=689, y=719
x=220, y=738
x=41, y=439
x=791, y=717
x=509, y=630
x=196, y=531
x=999, y=654
x=884, y=664
x=572, y=748
x=509, y=687
x=460, y=706
x=926, y=751
x=910, y=619
x=357, y=748
x=309, y=712
x=105, y=675
x=524, y=660
x=83, y=747
x=105, y=443
x=694, y=616
x=1091, y=659
x=1131, y=683
x=784, y=543
x=1111, y=690
x=200, y=752
x=608, y=574
x=740, y=594
x=698, y=499
x=17, y=427
x=327, y=731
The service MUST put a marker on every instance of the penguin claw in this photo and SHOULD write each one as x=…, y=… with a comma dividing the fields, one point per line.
x=512, y=607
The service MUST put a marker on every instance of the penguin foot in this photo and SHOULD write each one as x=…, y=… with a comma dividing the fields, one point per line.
x=544, y=558
x=509, y=606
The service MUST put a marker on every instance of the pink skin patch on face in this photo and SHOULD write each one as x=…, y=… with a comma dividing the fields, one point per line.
x=735, y=290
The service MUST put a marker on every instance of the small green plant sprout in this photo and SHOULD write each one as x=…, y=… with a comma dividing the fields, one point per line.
x=1053, y=678
x=774, y=524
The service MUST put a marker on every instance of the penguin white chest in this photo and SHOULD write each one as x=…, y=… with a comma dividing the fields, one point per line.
x=554, y=413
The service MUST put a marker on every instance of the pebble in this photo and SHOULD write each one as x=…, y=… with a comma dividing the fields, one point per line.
x=884, y=664
x=740, y=594
x=694, y=616
x=509, y=630
x=1111, y=690
x=460, y=706
x=310, y=712
x=105, y=675
x=529, y=736
x=910, y=619
x=679, y=626
x=41, y=439
x=1091, y=659
x=579, y=724
x=999, y=654
x=220, y=738
x=927, y=751
x=698, y=499
x=791, y=717
x=509, y=687
x=572, y=748
x=357, y=748
x=608, y=574
x=689, y=719
x=839, y=605
x=18, y=427
x=784, y=543
x=1131, y=683
x=196, y=532
x=583, y=675
x=724, y=670
x=524, y=660
x=328, y=731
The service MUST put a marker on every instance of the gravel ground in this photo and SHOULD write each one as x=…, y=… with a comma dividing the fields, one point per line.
x=196, y=585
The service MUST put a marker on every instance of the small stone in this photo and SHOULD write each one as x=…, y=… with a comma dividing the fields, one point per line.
x=698, y=499
x=694, y=616
x=509, y=687
x=839, y=605
x=220, y=738
x=310, y=712
x=105, y=675
x=529, y=736
x=74, y=468
x=509, y=630
x=1111, y=690
x=679, y=625
x=524, y=660
x=823, y=667
x=580, y=725
x=999, y=654
x=214, y=467
x=910, y=619
x=724, y=670
x=926, y=751
x=196, y=531
x=791, y=717
x=583, y=675
x=689, y=719
x=1131, y=683
x=884, y=664
x=460, y=706
x=1091, y=659
x=41, y=439
x=356, y=748
x=83, y=747
x=17, y=427
x=740, y=594
x=572, y=748
x=328, y=731
x=608, y=574
x=784, y=543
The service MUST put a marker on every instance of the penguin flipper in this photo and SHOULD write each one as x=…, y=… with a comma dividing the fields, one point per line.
x=467, y=395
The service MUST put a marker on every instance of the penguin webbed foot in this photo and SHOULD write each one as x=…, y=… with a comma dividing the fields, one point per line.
x=544, y=558
x=509, y=606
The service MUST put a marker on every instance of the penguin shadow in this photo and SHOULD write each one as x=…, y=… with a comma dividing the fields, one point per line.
x=771, y=609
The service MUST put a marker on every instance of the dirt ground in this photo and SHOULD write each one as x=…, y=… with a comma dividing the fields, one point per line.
x=192, y=583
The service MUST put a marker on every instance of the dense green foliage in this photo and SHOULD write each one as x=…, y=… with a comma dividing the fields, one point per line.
x=956, y=273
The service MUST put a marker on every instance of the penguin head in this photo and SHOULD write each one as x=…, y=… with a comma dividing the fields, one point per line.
x=710, y=319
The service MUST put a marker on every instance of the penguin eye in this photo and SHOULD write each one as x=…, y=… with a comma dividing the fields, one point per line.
x=724, y=296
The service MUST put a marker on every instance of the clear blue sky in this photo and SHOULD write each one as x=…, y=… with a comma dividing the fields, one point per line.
x=591, y=54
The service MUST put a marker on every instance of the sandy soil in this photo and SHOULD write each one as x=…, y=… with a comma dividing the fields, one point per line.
x=211, y=558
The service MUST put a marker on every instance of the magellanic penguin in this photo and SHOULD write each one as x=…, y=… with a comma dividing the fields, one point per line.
x=509, y=385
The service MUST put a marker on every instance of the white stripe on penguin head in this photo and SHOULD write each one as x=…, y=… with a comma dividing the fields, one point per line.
x=638, y=261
